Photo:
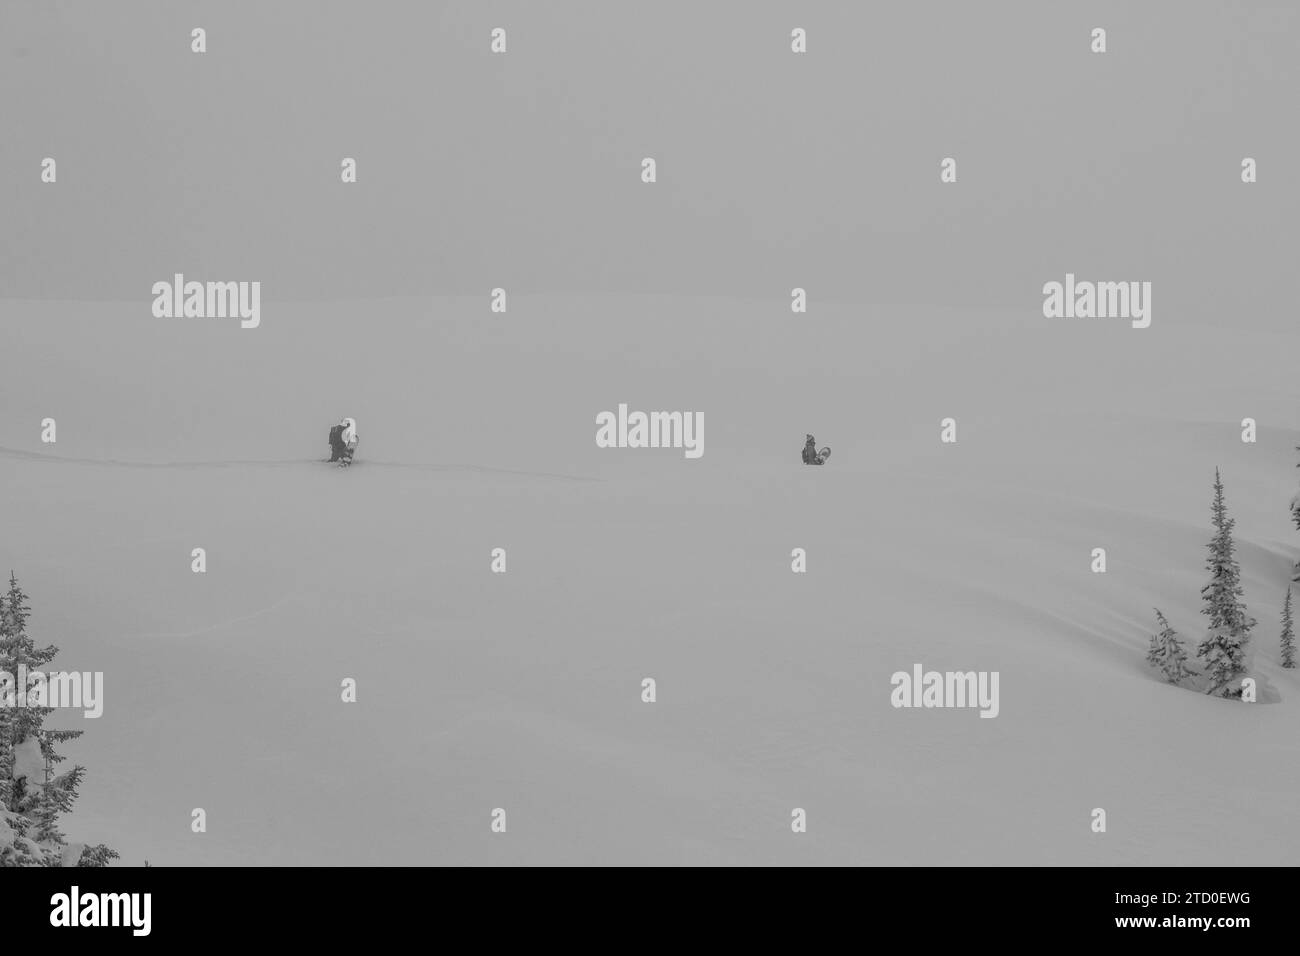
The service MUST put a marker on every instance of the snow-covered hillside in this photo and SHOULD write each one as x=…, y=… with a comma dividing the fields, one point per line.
x=523, y=690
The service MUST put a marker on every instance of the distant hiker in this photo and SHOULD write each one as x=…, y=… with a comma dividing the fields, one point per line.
x=811, y=456
x=349, y=438
x=337, y=447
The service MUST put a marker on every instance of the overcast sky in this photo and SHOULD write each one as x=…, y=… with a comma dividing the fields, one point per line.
x=478, y=170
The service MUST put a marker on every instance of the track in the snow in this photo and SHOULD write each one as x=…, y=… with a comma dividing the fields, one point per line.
x=279, y=463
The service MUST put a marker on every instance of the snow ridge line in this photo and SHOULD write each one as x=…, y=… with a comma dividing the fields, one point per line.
x=278, y=462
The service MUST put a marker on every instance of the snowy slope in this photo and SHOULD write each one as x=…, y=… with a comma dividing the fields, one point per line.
x=522, y=690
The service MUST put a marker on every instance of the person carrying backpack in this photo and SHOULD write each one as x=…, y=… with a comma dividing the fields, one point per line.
x=810, y=452
x=350, y=441
x=337, y=447
x=811, y=456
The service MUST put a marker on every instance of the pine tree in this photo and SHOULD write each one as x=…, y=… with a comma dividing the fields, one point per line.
x=99, y=855
x=1224, y=647
x=1295, y=516
x=1166, y=652
x=1295, y=503
x=1288, y=633
x=30, y=808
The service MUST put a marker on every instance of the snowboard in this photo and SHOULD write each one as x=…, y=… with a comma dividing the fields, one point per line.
x=823, y=455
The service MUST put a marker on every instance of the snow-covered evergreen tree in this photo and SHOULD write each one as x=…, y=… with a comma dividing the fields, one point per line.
x=32, y=795
x=1166, y=652
x=1224, y=646
x=1295, y=503
x=1288, y=633
x=1295, y=516
x=98, y=855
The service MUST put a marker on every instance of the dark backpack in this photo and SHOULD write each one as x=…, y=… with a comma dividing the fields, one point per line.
x=336, y=436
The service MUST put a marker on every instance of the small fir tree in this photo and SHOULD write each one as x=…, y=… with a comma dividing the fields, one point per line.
x=1295, y=504
x=1166, y=652
x=1288, y=633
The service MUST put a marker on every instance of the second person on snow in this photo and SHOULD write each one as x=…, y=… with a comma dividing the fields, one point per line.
x=811, y=456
